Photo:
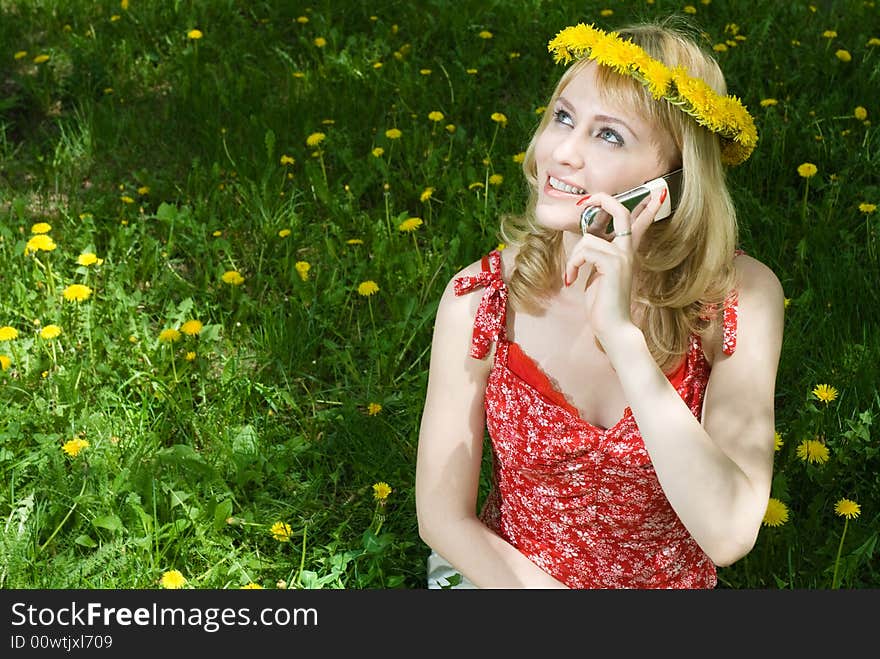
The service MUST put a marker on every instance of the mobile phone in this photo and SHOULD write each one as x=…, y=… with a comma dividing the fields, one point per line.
x=670, y=182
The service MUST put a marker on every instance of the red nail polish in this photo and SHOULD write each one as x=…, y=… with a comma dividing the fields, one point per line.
x=567, y=283
x=663, y=196
x=582, y=200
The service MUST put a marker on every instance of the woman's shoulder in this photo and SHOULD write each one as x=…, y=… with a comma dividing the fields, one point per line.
x=756, y=299
x=505, y=263
x=755, y=279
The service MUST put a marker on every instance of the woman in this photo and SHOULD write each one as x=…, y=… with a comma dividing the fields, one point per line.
x=626, y=376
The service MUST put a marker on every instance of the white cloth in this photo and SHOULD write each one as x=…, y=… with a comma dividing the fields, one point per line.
x=440, y=571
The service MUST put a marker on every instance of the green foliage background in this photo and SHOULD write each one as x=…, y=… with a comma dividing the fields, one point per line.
x=190, y=463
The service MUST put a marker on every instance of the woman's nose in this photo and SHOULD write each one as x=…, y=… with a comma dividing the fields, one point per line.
x=569, y=151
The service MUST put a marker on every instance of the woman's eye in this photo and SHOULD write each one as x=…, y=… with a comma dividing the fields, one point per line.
x=611, y=136
x=563, y=117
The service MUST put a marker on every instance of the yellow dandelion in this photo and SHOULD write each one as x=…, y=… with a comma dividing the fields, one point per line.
x=302, y=269
x=485, y=34
x=777, y=441
x=378, y=151
x=496, y=179
x=425, y=72
x=21, y=54
x=8, y=333
x=77, y=293
x=867, y=208
x=501, y=246
x=829, y=34
x=767, y=102
x=450, y=128
x=476, y=185
x=874, y=41
x=720, y=48
x=315, y=139
x=393, y=134
x=143, y=190
x=843, y=55
x=368, y=288
x=302, y=20
x=172, y=580
x=195, y=35
x=499, y=118
x=410, y=224
x=287, y=160
x=169, y=335
x=860, y=113
x=825, y=392
x=39, y=59
x=41, y=227
x=252, y=586
x=125, y=199
x=74, y=446
x=519, y=157
x=776, y=513
x=190, y=356
x=812, y=450
x=807, y=170
x=320, y=42
x=373, y=409
x=50, y=332
x=281, y=531
x=427, y=193
x=5, y=362
x=87, y=258
x=381, y=490
x=847, y=508
x=39, y=242
x=284, y=233
x=436, y=116
x=192, y=327
x=123, y=4
x=232, y=277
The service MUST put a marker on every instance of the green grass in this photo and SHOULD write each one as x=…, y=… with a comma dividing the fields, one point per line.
x=191, y=462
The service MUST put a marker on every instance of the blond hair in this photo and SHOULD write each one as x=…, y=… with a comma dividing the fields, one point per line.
x=684, y=264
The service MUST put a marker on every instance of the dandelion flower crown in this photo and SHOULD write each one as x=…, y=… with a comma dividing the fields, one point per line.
x=723, y=115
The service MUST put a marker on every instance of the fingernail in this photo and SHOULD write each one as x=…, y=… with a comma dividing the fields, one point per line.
x=583, y=199
x=567, y=284
x=663, y=196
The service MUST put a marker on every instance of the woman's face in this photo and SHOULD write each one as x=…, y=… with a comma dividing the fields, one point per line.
x=589, y=146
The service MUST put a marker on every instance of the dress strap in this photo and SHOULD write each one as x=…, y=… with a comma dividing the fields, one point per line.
x=491, y=318
x=729, y=317
x=729, y=321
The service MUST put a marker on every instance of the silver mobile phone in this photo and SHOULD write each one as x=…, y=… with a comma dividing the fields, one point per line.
x=670, y=182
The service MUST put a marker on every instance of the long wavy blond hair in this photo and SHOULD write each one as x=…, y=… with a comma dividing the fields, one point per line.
x=684, y=264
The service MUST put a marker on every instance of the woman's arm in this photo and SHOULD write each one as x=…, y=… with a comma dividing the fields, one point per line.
x=450, y=456
x=716, y=474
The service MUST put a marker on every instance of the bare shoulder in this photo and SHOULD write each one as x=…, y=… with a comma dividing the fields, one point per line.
x=760, y=305
x=758, y=284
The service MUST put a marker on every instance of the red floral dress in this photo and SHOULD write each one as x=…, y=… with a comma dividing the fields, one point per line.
x=580, y=501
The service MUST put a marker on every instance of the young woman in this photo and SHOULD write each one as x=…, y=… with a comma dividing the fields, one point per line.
x=625, y=375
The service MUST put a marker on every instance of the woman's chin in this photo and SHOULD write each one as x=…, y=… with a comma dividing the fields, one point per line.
x=557, y=218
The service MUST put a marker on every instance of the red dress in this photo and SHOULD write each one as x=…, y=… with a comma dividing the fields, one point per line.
x=582, y=502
